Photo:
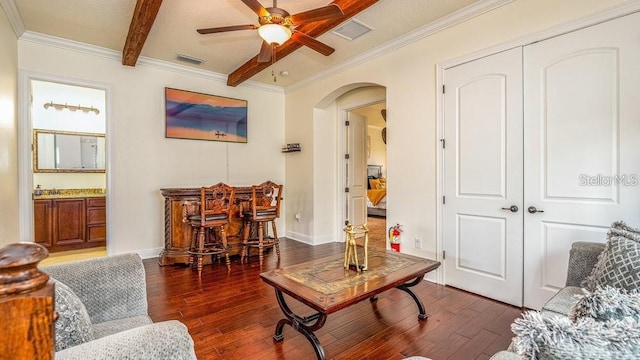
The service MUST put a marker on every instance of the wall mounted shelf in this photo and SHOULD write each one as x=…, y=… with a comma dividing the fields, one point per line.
x=291, y=148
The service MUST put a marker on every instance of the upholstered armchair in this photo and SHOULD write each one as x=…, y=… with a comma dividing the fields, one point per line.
x=597, y=314
x=102, y=313
x=582, y=258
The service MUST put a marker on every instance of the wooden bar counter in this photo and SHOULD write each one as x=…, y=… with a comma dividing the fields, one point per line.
x=177, y=234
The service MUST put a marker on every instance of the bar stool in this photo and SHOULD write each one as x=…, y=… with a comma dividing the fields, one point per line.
x=215, y=203
x=264, y=208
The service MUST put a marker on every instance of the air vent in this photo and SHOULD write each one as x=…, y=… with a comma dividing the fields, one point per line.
x=352, y=29
x=190, y=59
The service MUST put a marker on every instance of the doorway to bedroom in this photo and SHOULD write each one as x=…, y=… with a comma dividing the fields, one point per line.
x=372, y=168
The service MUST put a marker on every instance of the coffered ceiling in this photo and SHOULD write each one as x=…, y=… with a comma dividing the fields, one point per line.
x=105, y=23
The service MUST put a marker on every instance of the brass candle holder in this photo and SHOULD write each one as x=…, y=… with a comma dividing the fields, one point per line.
x=351, y=250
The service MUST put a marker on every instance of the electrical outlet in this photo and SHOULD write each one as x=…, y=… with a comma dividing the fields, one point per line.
x=417, y=243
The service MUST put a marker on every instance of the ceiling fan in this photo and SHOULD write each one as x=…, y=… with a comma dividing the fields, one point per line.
x=277, y=26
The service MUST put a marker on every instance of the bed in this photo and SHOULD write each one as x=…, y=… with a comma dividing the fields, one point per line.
x=376, y=192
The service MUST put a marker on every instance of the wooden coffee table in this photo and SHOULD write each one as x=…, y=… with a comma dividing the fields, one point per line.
x=326, y=287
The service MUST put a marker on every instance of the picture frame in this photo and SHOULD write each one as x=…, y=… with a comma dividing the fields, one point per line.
x=198, y=116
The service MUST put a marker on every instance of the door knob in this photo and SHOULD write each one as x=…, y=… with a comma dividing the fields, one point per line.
x=533, y=210
x=512, y=208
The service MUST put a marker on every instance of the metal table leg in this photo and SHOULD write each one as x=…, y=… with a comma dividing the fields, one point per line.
x=422, y=314
x=304, y=325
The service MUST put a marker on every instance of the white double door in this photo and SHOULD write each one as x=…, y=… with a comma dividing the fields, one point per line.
x=553, y=129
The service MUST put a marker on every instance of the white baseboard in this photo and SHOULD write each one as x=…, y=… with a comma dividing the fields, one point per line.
x=325, y=240
x=308, y=239
x=432, y=277
x=149, y=253
x=299, y=237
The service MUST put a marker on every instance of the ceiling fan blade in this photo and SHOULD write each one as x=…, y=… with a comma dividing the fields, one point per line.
x=226, y=28
x=266, y=52
x=322, y=13
x=312, y=43
x=256, y=7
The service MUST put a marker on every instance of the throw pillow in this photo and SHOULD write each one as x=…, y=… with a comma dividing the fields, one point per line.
x=605, y=304
x=619, y=263
x=623, y=226
x=557, y=337
x=619, y=228
x=369, y=181
x=73, y=326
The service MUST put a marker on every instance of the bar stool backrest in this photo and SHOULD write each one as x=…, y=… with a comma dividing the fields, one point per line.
x=215, y=201
x=265, y=200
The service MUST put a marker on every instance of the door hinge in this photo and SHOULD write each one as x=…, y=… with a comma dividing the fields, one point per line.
x=444, y=254
x=346, y=189
x=346, y=123
x=346, y=156
x=444, y=200
x=443, y=88
x=443, y=143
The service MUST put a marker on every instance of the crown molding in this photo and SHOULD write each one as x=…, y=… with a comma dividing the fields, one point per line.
x=66, y=44
x=10, y=9
x=166, y=65
x=614, y=12
x=453, y=19
x=84, y=48
x=434, y=27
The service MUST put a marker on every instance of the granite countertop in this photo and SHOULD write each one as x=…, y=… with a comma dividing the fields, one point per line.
x=69, y=193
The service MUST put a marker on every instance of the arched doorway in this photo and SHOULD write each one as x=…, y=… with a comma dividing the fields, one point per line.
x=348, y=101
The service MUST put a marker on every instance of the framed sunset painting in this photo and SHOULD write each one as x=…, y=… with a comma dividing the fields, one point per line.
x=191, y=115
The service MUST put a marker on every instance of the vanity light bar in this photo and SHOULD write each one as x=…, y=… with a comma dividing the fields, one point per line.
x=71, y=107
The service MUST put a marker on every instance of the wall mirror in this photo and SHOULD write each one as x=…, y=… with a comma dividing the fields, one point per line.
x=64, y=151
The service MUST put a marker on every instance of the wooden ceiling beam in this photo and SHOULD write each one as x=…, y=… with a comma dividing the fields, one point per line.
x=143, y=17
x=349, y=8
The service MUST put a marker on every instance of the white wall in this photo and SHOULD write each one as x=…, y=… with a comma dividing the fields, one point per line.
x=8, y=133
x=70, y=180
x=43, y=92
x=141, y=160
x=409, y=75
x=378, y=154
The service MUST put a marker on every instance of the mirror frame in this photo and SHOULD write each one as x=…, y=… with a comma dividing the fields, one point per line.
x=56, y=132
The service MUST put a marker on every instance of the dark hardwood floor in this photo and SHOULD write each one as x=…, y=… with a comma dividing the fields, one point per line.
x=233, y=315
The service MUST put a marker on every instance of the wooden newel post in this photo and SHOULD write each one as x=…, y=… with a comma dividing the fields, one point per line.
x=26, y=304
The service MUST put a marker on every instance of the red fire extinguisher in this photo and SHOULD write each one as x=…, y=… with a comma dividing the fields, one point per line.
x=394, y=237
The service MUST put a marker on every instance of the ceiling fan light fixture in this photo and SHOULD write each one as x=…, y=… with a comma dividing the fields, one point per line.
x=274, y=33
